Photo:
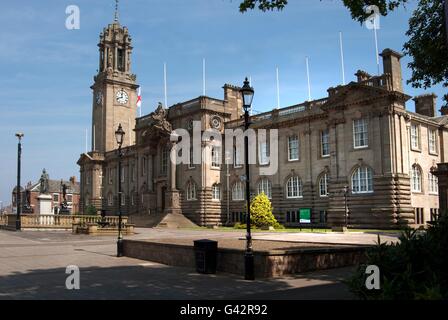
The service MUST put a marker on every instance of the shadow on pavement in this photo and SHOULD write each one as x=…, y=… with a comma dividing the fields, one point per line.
x=155, y=281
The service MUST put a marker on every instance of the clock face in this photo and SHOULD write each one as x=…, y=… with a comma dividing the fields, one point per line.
x=122, y=97
x=99, y=97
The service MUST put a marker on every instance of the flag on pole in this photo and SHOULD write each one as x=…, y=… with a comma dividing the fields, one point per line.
x=139, y=97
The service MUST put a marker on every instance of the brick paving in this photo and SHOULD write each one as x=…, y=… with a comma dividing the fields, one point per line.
x=32, y=266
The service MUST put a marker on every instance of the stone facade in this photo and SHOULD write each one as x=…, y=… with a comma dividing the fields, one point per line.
x=360, y=136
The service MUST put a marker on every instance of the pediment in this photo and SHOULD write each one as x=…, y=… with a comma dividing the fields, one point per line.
x=355, y=93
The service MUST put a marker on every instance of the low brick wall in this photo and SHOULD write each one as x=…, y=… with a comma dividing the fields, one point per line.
x=268, y=264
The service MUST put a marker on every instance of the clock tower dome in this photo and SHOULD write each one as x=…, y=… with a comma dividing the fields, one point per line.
x=114, y=89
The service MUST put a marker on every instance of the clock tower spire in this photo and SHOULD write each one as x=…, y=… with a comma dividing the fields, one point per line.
x=114, y=88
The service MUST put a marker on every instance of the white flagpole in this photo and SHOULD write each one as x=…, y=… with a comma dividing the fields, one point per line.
x=376, y=47
x=141, y=102
x=86, y=140
x=203, y=77
x=308, y=78
x=164, y=82
x=278, y=90
x=342, y=57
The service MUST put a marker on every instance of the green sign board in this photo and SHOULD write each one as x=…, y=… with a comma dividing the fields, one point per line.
x=305, y=215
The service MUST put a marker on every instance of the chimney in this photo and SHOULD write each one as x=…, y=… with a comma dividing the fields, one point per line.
x=425, y=104
x=233, y=100
x=392, y=66
x=362, y=76
x=72, y=179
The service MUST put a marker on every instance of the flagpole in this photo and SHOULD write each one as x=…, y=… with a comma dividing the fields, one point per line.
x=278, y=89
x=308, y=78
x=139, y=97
x=203, y=77
x=342, y=57
x=165, y=88
x=86, y=140
x=376, y=47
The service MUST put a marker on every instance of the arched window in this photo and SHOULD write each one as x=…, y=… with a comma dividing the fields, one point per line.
x=323, y=185
x=238, y=191
x=433, y=183
x=191, y=191
x=416, y=179
x=264, y=186
x=294, y=187
x=362, y=180
x=216, y=192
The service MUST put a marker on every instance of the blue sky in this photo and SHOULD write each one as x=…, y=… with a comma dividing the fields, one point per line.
x=46, y=70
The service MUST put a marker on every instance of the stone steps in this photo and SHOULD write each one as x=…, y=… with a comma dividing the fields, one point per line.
x=163, y=220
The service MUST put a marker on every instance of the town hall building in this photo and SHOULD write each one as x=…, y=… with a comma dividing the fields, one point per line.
x=358, y=144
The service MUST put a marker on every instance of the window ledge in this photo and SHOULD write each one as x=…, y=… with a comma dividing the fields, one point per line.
x=362, y=193
x=433, y=153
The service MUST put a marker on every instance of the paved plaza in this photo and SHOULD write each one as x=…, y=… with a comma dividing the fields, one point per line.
x=33, y=263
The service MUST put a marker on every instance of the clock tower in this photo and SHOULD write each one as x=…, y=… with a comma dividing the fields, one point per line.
x=114, y=89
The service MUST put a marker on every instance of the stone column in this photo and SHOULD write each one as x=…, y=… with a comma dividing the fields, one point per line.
x=173, y=158
x=173, y=197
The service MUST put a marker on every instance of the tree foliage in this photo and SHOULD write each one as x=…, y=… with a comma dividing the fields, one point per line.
x=427, y=45
x=356, y=7
x=415, y=268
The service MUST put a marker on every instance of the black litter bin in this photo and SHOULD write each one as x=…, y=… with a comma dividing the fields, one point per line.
x=205, y=253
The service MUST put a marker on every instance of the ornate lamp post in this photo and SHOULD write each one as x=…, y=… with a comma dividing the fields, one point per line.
x=248, y=94
x=119, y=135
x=19, y=136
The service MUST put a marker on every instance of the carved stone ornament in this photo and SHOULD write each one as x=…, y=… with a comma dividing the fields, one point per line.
x=215, y=122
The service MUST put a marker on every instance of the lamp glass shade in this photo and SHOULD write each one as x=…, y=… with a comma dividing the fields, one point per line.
x=248, y=94
x=119, y=134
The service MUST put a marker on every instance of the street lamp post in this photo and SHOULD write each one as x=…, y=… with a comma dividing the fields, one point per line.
x=346, y=205
x=119, y=135
x=19, y=136
x=248, y=93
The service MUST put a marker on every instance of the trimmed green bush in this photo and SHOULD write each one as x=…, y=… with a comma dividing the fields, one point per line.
x=261, y=213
